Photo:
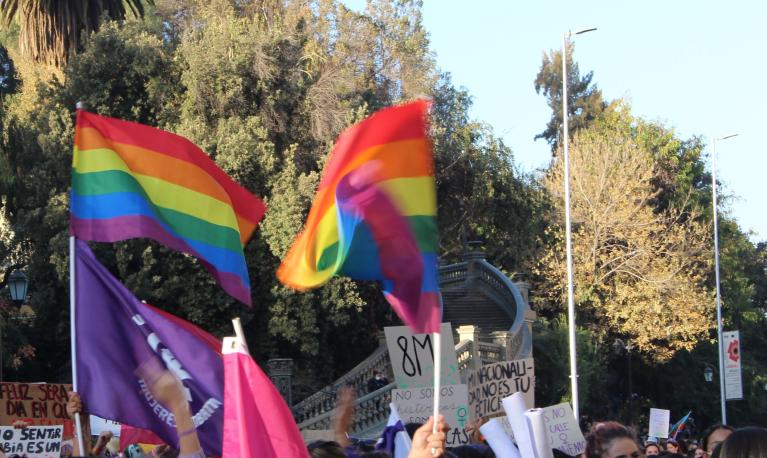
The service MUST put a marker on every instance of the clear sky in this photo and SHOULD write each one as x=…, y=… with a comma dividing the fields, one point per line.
x=696, y=65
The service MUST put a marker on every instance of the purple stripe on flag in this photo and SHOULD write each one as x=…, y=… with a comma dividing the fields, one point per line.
x=135, y=226
x=115, y=334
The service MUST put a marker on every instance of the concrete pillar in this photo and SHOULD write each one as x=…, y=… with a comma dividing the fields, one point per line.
x=281, y=373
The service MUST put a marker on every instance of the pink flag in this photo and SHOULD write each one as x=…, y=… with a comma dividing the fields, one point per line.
x=257, y=422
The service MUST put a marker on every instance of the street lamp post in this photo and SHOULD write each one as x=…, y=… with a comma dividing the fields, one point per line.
x=17, y=284
x=708, y=373
x=568, y=228
x=720, y=344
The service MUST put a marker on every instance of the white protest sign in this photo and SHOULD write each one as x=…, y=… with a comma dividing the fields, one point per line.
x=563, y=431
x=659, y=422
x=733, y=381
x=412, y=357
x=32, y=441
x=416, y=405
x=489, y=384
x=495, y=434
x=99, y=425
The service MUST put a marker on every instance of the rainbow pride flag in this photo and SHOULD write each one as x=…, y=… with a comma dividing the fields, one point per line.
x=374, y=216
x=130, y=180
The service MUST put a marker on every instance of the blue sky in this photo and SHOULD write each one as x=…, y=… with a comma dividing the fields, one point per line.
x=695, y=66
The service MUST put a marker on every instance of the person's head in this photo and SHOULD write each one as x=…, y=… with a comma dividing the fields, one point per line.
x=652, y=449
x=700, y=453
x=611, y=440
x=748, y=442
x=133, y=451
x=326, y=449
x=378, y=375
x=713, y=436
x=672, y=446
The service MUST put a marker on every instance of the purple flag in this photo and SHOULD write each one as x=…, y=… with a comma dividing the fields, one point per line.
x=116, y=333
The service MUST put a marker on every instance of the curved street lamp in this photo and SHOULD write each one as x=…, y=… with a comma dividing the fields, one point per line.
x=568, y=228
x=17, y=283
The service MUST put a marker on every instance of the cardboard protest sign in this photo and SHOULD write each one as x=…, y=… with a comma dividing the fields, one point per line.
x=563, y=431
x=489, y=384
x=416, y=405
x=35, y=404
x=32, y=441
x=412, y=357
x=659, y=420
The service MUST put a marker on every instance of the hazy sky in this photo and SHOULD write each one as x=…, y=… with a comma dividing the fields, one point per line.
x=697, y=66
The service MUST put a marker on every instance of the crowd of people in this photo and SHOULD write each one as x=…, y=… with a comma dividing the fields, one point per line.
x=608, y=439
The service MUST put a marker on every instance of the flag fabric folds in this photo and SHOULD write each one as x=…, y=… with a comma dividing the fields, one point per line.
x=680, y=425
x=374, y=216
x=395, y=440
x=130, y=180
x=116, y=334
x=257, y=422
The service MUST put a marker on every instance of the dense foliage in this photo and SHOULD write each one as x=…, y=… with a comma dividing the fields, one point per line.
x=264, y=87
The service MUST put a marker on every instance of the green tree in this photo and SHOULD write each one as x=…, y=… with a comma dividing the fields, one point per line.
x=584, y=99
x=50, y=32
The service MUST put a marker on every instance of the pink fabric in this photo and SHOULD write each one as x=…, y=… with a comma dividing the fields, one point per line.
x=257, y=422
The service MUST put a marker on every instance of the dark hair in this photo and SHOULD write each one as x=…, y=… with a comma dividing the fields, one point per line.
x=652, y=444
x=473, y=451
x=707, y=433
x=376, y=454
x=602, y=434
x=326, y=449
x=411, y=428
x=748, y=442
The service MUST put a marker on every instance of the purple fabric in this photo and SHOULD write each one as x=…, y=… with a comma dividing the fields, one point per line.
x=115, y=334
x=387, y=437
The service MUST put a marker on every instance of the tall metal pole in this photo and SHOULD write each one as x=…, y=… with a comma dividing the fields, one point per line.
x=568, y=238
x=722, y=394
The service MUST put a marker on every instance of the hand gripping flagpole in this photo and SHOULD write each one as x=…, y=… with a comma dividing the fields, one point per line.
x=72, y=329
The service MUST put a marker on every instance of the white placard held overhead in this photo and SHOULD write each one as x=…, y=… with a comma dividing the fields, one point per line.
x=412, y=357
x=659, y=422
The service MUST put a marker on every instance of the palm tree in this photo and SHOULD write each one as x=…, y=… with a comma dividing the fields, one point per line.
x=50, y=31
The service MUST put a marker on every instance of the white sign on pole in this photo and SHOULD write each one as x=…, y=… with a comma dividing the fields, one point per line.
x=32, y=441
x=659, y=422
x=489, y=384
x=733, y=382
x=416, y=406
x=412, y=357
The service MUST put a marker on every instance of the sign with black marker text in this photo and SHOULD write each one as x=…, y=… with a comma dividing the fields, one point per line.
x=489, y=384
x=412, y=357
x=32, y=441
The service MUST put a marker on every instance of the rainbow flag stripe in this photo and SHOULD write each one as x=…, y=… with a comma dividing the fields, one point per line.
x=130, y=180
x=374, y=216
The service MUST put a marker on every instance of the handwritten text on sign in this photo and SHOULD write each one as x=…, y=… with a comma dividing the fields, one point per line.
x=564, y=433
x=412, y=357
x=32, y=441
x=491, y=383
x=37, y=404
x=416, y=406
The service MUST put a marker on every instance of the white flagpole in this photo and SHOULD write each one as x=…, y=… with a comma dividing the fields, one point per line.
x=436, y=342
x=72, y=328
x=73, y=340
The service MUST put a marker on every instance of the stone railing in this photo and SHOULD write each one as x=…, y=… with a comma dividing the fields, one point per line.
x=490, y=353
x=370, y=411
x=324, y=400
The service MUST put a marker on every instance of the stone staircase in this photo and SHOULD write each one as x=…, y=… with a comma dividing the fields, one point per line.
x=372, y=409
